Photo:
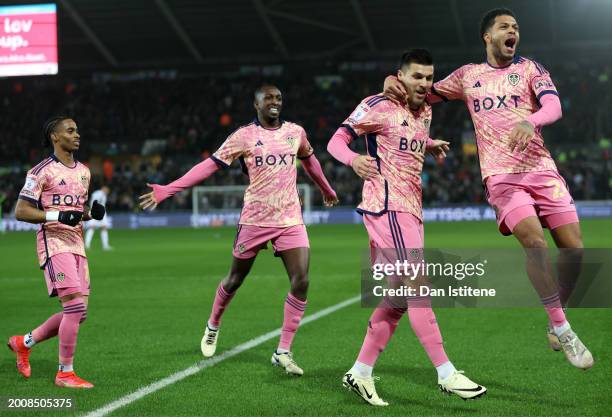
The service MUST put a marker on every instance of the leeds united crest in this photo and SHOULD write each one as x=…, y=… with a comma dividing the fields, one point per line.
x=514, y=78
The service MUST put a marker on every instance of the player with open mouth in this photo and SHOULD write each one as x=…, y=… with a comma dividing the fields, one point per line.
x=510, y=98
x=268, y=149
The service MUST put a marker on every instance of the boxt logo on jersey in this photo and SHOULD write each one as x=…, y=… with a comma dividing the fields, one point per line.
x=272, y=160
x=415, y=145
x=496, y=102
x=67, y=200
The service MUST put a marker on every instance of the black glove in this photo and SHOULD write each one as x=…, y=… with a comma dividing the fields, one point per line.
x=71, y=218
x=97, y=211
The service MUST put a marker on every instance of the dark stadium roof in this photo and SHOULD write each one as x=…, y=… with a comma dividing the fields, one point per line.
x=107, y=34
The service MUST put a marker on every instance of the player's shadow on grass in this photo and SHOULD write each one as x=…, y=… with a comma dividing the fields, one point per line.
x=542, y=398
x=427, y=376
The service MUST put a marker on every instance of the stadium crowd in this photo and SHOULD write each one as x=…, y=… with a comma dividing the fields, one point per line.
x=185, y=118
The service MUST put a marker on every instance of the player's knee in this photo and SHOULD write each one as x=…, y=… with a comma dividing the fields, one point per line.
x=75, y=306
x=233, y=281
x=299, y=282
x=576, y=245
x=574, y=254
x=535, y=242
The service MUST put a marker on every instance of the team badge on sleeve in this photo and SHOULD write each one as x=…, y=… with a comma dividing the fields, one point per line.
x=543, y=84
x=360, y=112
x=514, y=78
x=29, y=187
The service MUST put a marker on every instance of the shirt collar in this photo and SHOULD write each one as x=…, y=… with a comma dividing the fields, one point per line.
x=257, y=123
x=515, y=60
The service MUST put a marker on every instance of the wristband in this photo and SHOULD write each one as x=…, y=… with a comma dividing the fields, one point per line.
x=52, y=216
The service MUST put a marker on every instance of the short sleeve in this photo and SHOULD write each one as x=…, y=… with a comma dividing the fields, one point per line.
x=32, y=189
x=305, y=150
x=230, y=150
x=540, y=81
x=366, y=118
x=451, y=87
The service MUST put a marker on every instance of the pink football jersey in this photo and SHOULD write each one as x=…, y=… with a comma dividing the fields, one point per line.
x=269, y=158
x=396, y=137
x=498, y=99
x=51, y=186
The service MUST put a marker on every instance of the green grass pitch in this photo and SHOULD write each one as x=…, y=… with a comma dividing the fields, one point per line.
x=152, y=295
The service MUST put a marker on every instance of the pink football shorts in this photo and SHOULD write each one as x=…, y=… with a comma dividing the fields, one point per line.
x=67, y=273
x=251, y=239
x=543, y=194
x=395, y=236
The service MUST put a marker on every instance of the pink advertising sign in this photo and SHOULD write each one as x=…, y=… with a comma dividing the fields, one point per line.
x=28, y=40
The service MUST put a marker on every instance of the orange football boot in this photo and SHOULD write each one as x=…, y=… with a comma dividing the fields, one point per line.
x=71, y=380
x=15, y=343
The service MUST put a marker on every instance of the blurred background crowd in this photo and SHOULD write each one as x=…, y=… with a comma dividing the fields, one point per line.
x=153, y=126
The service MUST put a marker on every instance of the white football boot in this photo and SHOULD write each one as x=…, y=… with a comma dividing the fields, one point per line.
x=285, y=361
x=553, y=340
x=459, y=384
x=575, y=351
x=209, y=341
x=364, y=387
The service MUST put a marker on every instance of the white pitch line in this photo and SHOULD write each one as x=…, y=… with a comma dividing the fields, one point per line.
x=207, y=363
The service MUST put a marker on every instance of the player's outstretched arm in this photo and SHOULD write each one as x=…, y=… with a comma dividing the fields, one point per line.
x=313, y=168
x=194, y=176
x=27, y=212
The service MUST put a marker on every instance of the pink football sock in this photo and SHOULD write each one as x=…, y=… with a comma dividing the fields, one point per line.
x=425, y=327
x=222, y=299
x=293, y=313
x=69, y=329
x=48, y=329
x=555, y=312
x=382, y=325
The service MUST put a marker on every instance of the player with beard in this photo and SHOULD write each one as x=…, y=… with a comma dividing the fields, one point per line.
x=397, y=137
x=510, y=98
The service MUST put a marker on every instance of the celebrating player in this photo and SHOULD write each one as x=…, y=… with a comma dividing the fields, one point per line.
x=268, y=149
x=54, y=195
x=397, y=138
x=100, y=196
x=510, y=98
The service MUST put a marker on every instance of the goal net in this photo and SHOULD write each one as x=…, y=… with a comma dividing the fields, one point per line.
x=220, y=205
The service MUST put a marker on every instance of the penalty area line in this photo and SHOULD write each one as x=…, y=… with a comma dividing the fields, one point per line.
x=207, y=363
